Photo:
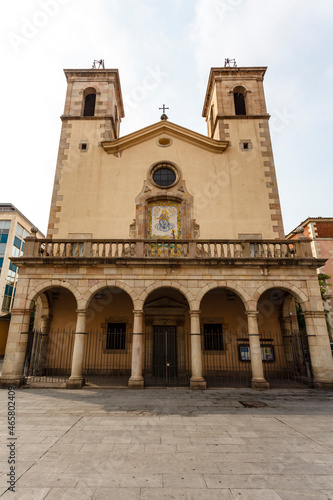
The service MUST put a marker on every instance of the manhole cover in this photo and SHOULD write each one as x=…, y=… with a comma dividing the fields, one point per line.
x=253, y=404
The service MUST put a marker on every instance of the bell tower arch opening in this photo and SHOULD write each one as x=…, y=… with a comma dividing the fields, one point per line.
x=89, y=102
x=239, y=100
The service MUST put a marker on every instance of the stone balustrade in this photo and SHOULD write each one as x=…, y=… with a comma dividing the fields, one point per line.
x=48, y=249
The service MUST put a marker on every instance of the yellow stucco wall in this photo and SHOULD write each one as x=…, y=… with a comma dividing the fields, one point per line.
x=98, y=190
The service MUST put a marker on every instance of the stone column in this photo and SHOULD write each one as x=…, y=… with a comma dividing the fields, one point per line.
x=197, y=381
x=320, y=349
x=258, y=379
x=76, y=380
x=136, y=381
x=12, y=370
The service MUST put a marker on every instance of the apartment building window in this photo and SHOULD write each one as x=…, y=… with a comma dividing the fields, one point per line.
x=13, y=271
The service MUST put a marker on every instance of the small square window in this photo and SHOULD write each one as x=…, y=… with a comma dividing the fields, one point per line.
x=83, y=146
x=245, y=145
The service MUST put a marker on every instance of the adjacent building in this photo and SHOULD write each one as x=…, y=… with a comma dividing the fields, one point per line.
x=320, y=231
x=14, y=228
x=165, y=260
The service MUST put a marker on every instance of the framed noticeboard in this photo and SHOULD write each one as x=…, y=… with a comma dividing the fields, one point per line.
x=244, y=352
x=267, y=352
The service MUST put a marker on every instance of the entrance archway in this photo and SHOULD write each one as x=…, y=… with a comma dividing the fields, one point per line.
x=283, y=339
x=224, y=339
x=167, y=343
x=50, y=338
x=108, y=343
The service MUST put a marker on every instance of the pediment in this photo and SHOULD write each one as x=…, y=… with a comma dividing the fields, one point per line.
x=164, y=128
x=165, y=302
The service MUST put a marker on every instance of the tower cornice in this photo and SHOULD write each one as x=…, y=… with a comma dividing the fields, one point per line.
x=231, y=73
x=98, y=75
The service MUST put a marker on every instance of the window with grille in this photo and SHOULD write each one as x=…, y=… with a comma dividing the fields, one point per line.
x=213, y=337
x=116, y=336
x=164, y=176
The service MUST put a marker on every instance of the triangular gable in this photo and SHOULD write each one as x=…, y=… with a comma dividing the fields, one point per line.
x=165, y=128
x=165, y=302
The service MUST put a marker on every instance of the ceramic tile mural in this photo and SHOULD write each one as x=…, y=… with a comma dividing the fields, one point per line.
x=164, y=220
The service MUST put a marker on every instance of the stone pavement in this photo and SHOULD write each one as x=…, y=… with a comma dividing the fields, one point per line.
x=169, y=444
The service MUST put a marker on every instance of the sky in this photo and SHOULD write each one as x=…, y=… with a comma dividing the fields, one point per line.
x=164, y=52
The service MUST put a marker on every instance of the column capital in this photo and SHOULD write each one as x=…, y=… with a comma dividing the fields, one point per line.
x=314, y=314
x=252, y=314
x=82, y=312
x=19, y=312
x=195, y=312
x=138, y=312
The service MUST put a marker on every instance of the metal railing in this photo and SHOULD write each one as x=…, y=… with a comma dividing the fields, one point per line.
x=226, y=357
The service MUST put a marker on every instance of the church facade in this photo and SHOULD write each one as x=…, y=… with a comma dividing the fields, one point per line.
x=165, y=258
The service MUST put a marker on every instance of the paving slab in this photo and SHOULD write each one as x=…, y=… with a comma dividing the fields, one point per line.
x=96, y=444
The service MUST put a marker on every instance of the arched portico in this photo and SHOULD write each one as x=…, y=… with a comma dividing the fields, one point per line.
x=37, y=290
x=47, y=301
x=114, y=285
x=103, y=340
x=172, y=352
x=232, y=286
x=230, y=341
x=167, y=321
x=302, y=355
x=299, y=294
x=172, y=285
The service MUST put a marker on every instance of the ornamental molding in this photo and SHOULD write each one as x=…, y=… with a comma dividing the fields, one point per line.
x=314, y=314
x=169, y=128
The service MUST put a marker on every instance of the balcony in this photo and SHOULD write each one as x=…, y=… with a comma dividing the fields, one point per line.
x=116, y=251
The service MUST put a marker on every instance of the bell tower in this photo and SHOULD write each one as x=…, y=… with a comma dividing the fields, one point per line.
x=94, y=95
x=93, y=112
x=234, y=95
x=235, y=111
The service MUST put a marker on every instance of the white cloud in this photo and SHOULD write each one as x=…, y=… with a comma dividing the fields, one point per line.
x=294, y=41
x=293, y=38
